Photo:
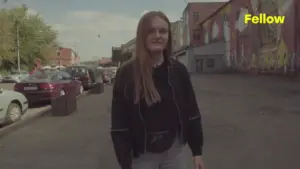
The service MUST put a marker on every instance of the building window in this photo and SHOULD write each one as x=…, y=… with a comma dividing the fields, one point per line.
x=196, y=16
x=210, y=63
x=196, y=34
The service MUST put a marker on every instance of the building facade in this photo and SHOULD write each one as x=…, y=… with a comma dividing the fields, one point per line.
x=104, y=61
x=116, y=53
x=177, y=35
x=194, y=13
x=64, y=57
x=129, y=47
x=255, y=47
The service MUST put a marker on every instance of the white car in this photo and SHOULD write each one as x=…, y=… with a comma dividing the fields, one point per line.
x=15, y=77
x=12, y=106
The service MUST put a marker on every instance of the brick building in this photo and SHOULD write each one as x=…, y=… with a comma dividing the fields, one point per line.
x=65, y=57
x=116, y=54
x=194, y=13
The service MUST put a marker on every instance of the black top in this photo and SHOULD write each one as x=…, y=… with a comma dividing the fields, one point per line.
x=128, y=128
x=163, y=115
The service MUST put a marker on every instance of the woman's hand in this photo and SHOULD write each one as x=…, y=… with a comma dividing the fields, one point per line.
x=198, y=162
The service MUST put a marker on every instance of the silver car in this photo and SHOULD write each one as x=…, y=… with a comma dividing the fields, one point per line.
x=12, y=106
x=15, y=77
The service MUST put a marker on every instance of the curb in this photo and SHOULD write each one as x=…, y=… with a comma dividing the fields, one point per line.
x=4, y=131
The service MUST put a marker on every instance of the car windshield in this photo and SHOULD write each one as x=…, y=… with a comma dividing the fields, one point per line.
x=43, y=74
x=18, y=73
x=77, y=71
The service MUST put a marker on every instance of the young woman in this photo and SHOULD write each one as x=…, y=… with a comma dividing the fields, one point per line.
x=154, y=109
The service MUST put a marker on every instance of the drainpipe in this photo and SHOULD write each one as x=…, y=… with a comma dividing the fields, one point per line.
x=296, y=26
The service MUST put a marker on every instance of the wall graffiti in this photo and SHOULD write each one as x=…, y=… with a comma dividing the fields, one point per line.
x=264, y=47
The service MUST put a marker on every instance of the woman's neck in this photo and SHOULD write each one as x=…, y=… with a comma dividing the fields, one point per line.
x=157, y=60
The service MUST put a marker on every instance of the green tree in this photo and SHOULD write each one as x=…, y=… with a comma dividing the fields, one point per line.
x=7, y=43
x=37, y=39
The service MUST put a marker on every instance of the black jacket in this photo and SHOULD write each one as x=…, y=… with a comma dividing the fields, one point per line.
x=128, y=130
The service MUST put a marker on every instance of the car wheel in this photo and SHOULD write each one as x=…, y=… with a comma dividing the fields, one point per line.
x=14, y=113
x=62, y=93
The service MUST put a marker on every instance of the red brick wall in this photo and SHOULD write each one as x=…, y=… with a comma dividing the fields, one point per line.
x=65, y=57
x=205, y=10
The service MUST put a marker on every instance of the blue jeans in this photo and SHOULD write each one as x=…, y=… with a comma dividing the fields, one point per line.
x=174, y=158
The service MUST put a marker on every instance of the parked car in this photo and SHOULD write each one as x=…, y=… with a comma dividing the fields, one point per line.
x=103, y=74
x=105, y=77
x=12, y=106
x=15, y=77
x=88, y=75
x=47, y=85
x=110, y=72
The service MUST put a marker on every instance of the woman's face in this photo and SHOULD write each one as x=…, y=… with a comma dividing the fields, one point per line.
x=158, y=35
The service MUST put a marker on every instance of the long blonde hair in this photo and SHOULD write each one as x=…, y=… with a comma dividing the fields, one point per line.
x=144, y=86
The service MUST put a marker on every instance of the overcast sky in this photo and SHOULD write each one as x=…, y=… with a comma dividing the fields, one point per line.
x=80, y=22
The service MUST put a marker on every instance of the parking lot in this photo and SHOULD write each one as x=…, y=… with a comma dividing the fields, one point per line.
x=249, y=122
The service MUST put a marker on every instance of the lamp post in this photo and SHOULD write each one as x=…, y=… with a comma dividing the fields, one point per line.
x=98, y=36
x=59, y=55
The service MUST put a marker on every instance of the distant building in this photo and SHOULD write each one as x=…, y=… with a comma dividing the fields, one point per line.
x=177, y=35
x=129, y=47
x=193, y=14
x=103, y=61
x=116, y=53
x=64, y=57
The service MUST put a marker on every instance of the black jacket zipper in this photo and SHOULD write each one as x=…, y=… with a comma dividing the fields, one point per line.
x=145, y=129
x=178, y=110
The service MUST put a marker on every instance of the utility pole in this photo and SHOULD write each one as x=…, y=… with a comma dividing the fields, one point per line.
x=98, y=36
x=18, y=46
x=59, y=55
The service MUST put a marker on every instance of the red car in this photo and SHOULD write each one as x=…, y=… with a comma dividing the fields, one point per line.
x=47, y=85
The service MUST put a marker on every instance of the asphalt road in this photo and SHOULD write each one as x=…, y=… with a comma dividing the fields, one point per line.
x=249, y=123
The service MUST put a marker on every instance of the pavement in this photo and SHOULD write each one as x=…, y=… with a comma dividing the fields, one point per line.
x=31, y=114
x=249, y=122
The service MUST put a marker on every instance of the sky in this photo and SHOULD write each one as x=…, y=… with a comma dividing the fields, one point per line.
x=79, y=23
